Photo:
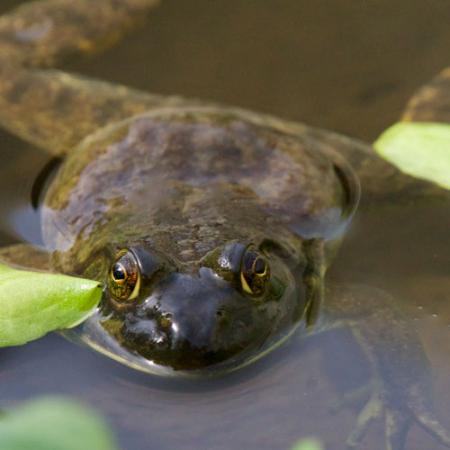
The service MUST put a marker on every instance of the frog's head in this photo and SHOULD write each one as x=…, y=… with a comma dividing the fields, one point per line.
x=232, y=307
x=229, y=307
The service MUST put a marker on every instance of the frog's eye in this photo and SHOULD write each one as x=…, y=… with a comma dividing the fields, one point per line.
x=125, y=277
x=255, y=272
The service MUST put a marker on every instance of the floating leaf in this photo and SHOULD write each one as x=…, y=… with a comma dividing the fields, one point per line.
x=54, y=424
x=34, y=303
x=418, y=149
x=308, y=444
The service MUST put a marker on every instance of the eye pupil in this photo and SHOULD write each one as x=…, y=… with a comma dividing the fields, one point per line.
x=255, y=273
x=118, y=272
x=259, y=266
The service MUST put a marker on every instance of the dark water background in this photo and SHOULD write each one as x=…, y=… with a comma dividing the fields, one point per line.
x=349, y=66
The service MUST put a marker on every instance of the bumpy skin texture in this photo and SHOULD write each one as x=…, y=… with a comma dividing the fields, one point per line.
x=190, y=190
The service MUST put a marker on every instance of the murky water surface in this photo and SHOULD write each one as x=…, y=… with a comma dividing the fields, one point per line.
x=347, y=66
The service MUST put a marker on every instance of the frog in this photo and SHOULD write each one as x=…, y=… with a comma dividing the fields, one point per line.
x=210, y=227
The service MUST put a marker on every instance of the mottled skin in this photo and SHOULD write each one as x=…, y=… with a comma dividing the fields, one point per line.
x=226, y=219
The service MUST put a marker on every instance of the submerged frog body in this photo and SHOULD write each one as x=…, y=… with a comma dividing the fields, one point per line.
x=210, y=227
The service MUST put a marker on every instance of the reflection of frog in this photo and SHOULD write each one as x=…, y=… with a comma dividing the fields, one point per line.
x=211, y=227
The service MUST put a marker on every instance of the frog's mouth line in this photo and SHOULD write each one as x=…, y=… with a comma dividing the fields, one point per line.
x=93, y=335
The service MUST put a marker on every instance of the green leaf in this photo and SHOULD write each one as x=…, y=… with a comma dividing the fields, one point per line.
x=34, y=303
x=308, y=444
x=418, y=149
x=54, y=424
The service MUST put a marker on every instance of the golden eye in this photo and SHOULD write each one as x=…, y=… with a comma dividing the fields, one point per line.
x=125, y=277
x=255, y=272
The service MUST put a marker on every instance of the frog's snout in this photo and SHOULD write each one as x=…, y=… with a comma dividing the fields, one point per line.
x=191, y=321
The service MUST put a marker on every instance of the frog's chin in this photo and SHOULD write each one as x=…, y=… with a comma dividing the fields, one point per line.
x=93, y=335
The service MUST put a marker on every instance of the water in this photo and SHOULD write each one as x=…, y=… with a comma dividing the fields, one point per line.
x=347, y=66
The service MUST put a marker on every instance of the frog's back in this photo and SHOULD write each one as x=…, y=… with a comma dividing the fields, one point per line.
x=134, y=166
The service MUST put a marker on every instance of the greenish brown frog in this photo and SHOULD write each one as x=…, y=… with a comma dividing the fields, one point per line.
x=211, y=227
